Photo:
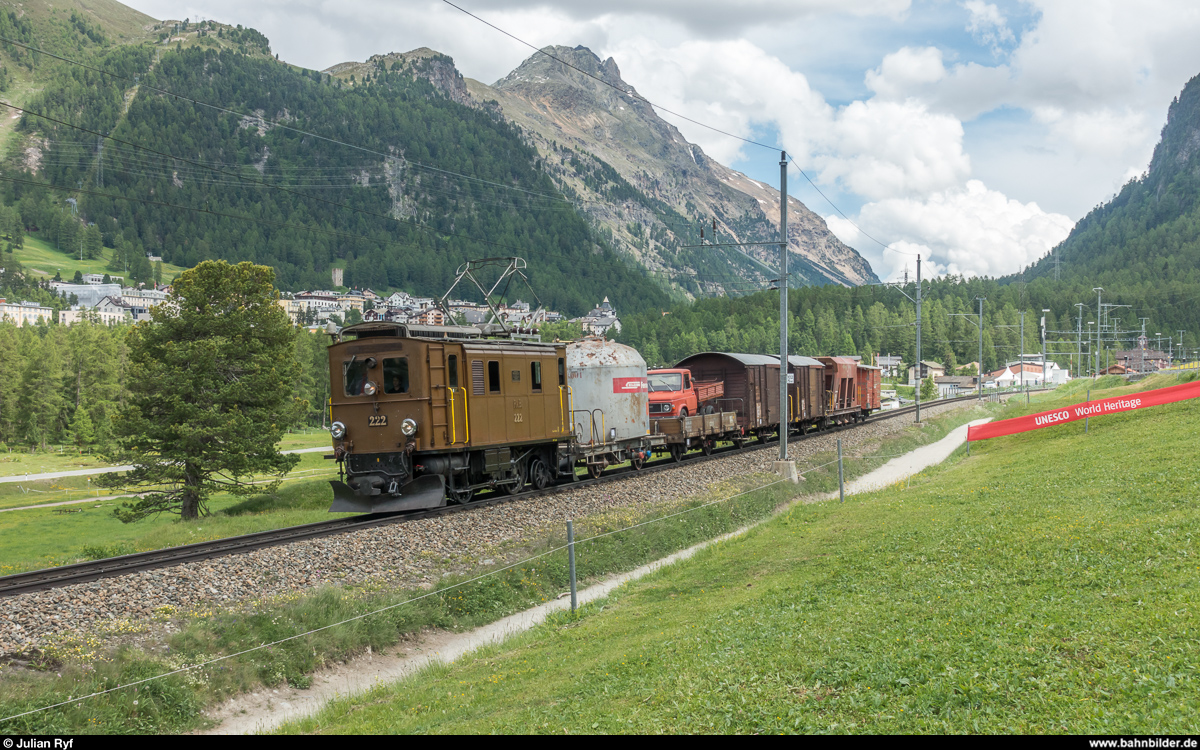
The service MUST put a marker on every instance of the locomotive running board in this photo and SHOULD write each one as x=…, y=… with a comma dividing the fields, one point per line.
x=426, y=492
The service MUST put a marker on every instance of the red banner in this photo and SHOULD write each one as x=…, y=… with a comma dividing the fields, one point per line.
x=1076, y=412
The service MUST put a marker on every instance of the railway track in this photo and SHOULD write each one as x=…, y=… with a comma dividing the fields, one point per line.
x=40, y=580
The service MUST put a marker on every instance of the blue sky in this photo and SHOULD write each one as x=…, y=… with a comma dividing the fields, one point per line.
x=973, y=132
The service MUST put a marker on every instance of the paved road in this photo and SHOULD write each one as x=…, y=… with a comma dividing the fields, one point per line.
x=110, y=469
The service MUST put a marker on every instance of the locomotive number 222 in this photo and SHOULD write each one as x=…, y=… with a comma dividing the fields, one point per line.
x=377, y=420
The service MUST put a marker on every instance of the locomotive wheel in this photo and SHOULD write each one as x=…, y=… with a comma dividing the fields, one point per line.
x=540, y=475
x=677, y=453
x=462, y=497
x=595, y=470
x=637, y=462
x=707, y=447
x=739, y=442
x=522, y=473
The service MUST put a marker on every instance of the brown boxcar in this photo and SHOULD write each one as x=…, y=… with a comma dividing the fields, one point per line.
x=806, y=391
x=423, y=413
x=869, y=383
x=751, y=386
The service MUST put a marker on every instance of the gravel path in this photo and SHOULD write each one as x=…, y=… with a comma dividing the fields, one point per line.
x=110, y=469
x=407, y=554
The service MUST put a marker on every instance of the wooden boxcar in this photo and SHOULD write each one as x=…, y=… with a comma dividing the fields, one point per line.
x=806, y=392
x=751, y=387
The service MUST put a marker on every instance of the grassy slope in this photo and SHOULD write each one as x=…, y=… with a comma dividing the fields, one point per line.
x=77, y=666
x=42, y=257
x=41, y=537
x=1047, y=583
x=65, y=458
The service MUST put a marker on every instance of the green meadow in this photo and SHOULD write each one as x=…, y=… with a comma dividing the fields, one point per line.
x=626, y=538
x=43, y=257
x=47, y=536
x=1047, y=583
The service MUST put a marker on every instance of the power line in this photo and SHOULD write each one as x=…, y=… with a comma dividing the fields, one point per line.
x=635, y=95
x=630, y=93
x=315, y=229
x=276, y=123
x=863, y=232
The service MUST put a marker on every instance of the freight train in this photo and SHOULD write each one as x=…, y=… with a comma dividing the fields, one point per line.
x=423, y=416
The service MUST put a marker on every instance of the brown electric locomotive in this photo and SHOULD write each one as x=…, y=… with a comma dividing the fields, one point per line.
x=422, y=414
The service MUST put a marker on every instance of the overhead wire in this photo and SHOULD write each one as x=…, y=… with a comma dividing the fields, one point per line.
x=304, y=227
x=568, y=205
x=638, y=96
x=273, y=123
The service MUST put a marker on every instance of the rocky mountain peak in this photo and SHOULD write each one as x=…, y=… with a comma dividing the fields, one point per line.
x=556, y=96
x=1180, y=136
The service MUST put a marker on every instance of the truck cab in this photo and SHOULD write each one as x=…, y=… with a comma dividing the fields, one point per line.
x=675, y=393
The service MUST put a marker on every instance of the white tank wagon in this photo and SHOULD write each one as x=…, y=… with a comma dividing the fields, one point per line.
x=610, y=404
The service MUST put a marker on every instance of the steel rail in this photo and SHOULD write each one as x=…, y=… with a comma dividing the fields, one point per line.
x=84, y=572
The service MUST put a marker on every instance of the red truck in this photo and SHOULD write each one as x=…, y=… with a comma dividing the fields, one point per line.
x=675, y=393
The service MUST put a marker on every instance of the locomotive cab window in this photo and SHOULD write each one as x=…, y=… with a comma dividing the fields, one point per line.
x=452, y=370
x=354, y=376
x=493, y=376
x=395, y=375
x=562, y=372
x=535, y=376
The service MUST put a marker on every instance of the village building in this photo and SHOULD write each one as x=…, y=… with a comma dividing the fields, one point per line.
x=1142, y=358
x=949, y=386
x=928, y=369
x=890, y=364
x=1028, y=372
x=431, y=316
x=118, y=305
x=600, y=320
x=86, y=295
x=21, y=314
x=77, y=314
x=144, y=297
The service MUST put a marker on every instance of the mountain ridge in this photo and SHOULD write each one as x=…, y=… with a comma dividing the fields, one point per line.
x=549, y=98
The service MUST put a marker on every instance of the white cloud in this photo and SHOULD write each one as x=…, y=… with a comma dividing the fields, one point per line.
x=970, y=230
x=883, y=149
x=906, y=70
x=1095, y=133
x=988, y=25
x=876, y=148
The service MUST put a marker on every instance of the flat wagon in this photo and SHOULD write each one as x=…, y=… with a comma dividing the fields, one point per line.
x=751, y=388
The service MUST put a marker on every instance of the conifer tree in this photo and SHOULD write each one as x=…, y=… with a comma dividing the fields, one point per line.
x=210, y=392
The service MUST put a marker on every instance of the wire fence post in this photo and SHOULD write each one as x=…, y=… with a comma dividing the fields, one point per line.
x=571, y=562
x=841, y=475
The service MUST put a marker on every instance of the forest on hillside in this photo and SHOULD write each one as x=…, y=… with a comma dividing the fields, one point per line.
x=62, y=385
x=870, y=320
x=428, y=184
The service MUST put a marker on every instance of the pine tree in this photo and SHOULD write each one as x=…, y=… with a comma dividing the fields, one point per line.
x=210, y=392
x=83, y=432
